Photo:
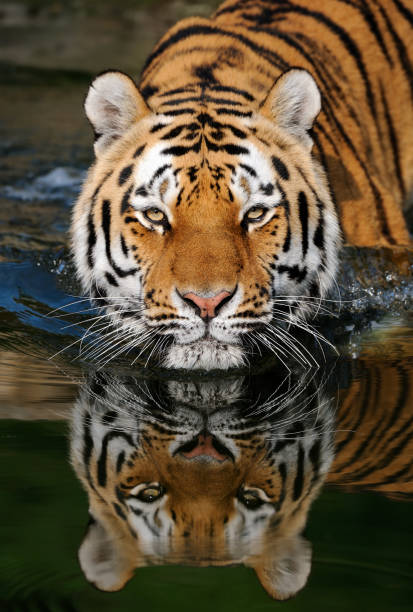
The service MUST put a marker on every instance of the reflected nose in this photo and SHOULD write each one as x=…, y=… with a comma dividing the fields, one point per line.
x=207, y=307
x=205, y=445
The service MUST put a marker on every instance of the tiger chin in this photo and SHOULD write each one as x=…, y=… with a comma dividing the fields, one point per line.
x=206, y=225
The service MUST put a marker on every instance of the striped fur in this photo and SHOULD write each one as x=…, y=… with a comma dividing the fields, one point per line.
x=374, y=439
x=220, y=129
x=284, y=439
x=123, y=440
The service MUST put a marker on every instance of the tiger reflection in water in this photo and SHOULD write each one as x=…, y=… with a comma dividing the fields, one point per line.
x=209, y=475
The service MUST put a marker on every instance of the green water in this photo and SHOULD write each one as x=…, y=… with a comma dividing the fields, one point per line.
x=362, y=546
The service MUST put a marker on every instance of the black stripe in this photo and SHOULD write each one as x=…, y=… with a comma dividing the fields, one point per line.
x=106, y=220
x=87, y=441
x=372, y=25
x=158, y=173
x=404, y=381
x=299, y=477
x=234, y=149
x=206, y=30
x=91, y=240
x=250, y=170
x=237, y=5
x=179, y=197
x=314, y=456
x=120, y=461
x=294, y=272
x=202, y=99
x=319, y=127
x=287, y=241
x=90, y=223
x=282, y=469
x=172, y=92
x=404, y=11
x=111, y=280
x=394, y=141
x=125, y=174
x=119, y=511
x=236, y=113
x=180, y=150
x=173, y=132
x=139, y=151
x=366, y=375
x=303, y=214
x=101, y=462
x=237, y=132
x=280, y=167
x=182, y=101
x=319, y=232
x=157, y=127
x=376, y=194
x=179, y=111
x=123, y=246
x=149, y=526
x=401, y=49
x=344, y=37
x=125, y=203
x=240, y=92
x=404, y=437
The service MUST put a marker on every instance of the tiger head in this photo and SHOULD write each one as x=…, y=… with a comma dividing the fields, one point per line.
x=198, y=481
x=199, y=225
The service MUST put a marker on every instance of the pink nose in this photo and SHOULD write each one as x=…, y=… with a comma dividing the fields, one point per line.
x=207, y=306
x=205, y=447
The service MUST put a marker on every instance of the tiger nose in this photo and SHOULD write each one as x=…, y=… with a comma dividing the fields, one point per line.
x=207, y=307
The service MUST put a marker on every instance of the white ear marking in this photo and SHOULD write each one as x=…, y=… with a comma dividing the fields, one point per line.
x=102, y=561
x=286, y=571
x=294, y=102
x=112, y=105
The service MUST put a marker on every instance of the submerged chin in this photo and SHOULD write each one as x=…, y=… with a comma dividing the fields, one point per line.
x=204, y=355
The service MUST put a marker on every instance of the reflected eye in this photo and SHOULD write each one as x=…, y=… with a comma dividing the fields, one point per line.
x=149, y=494
x=154, y=215
x=255, y=214
x=250, y=498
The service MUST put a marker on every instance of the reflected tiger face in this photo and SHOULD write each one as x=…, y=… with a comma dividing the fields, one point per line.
x=195, y=230
x=198, y=480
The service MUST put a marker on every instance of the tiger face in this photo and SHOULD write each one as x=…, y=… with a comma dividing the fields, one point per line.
x=197, y=230
x=197, y=481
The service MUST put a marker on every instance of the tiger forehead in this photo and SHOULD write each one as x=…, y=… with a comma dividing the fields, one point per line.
x=229, y=173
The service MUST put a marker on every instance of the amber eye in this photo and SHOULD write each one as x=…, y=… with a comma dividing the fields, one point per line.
x=154, y=215
x=250, y=499
x=255, y=214
x=150, y=494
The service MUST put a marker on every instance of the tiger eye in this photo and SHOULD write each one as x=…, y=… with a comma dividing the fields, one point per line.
x=256, y=213
x=250, y=499
x=150, y=494
x=155, y=215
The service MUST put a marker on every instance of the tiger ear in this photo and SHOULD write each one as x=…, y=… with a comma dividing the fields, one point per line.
x=101, y=559
x=112, y=105
x=284, y=571
x=293, y=103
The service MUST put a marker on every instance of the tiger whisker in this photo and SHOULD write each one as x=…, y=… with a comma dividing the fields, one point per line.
x=288, y=340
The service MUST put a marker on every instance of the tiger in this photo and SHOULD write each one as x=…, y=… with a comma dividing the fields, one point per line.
x=255, y=145
x=374, y=436
x=196, y=478
x=224, y=471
